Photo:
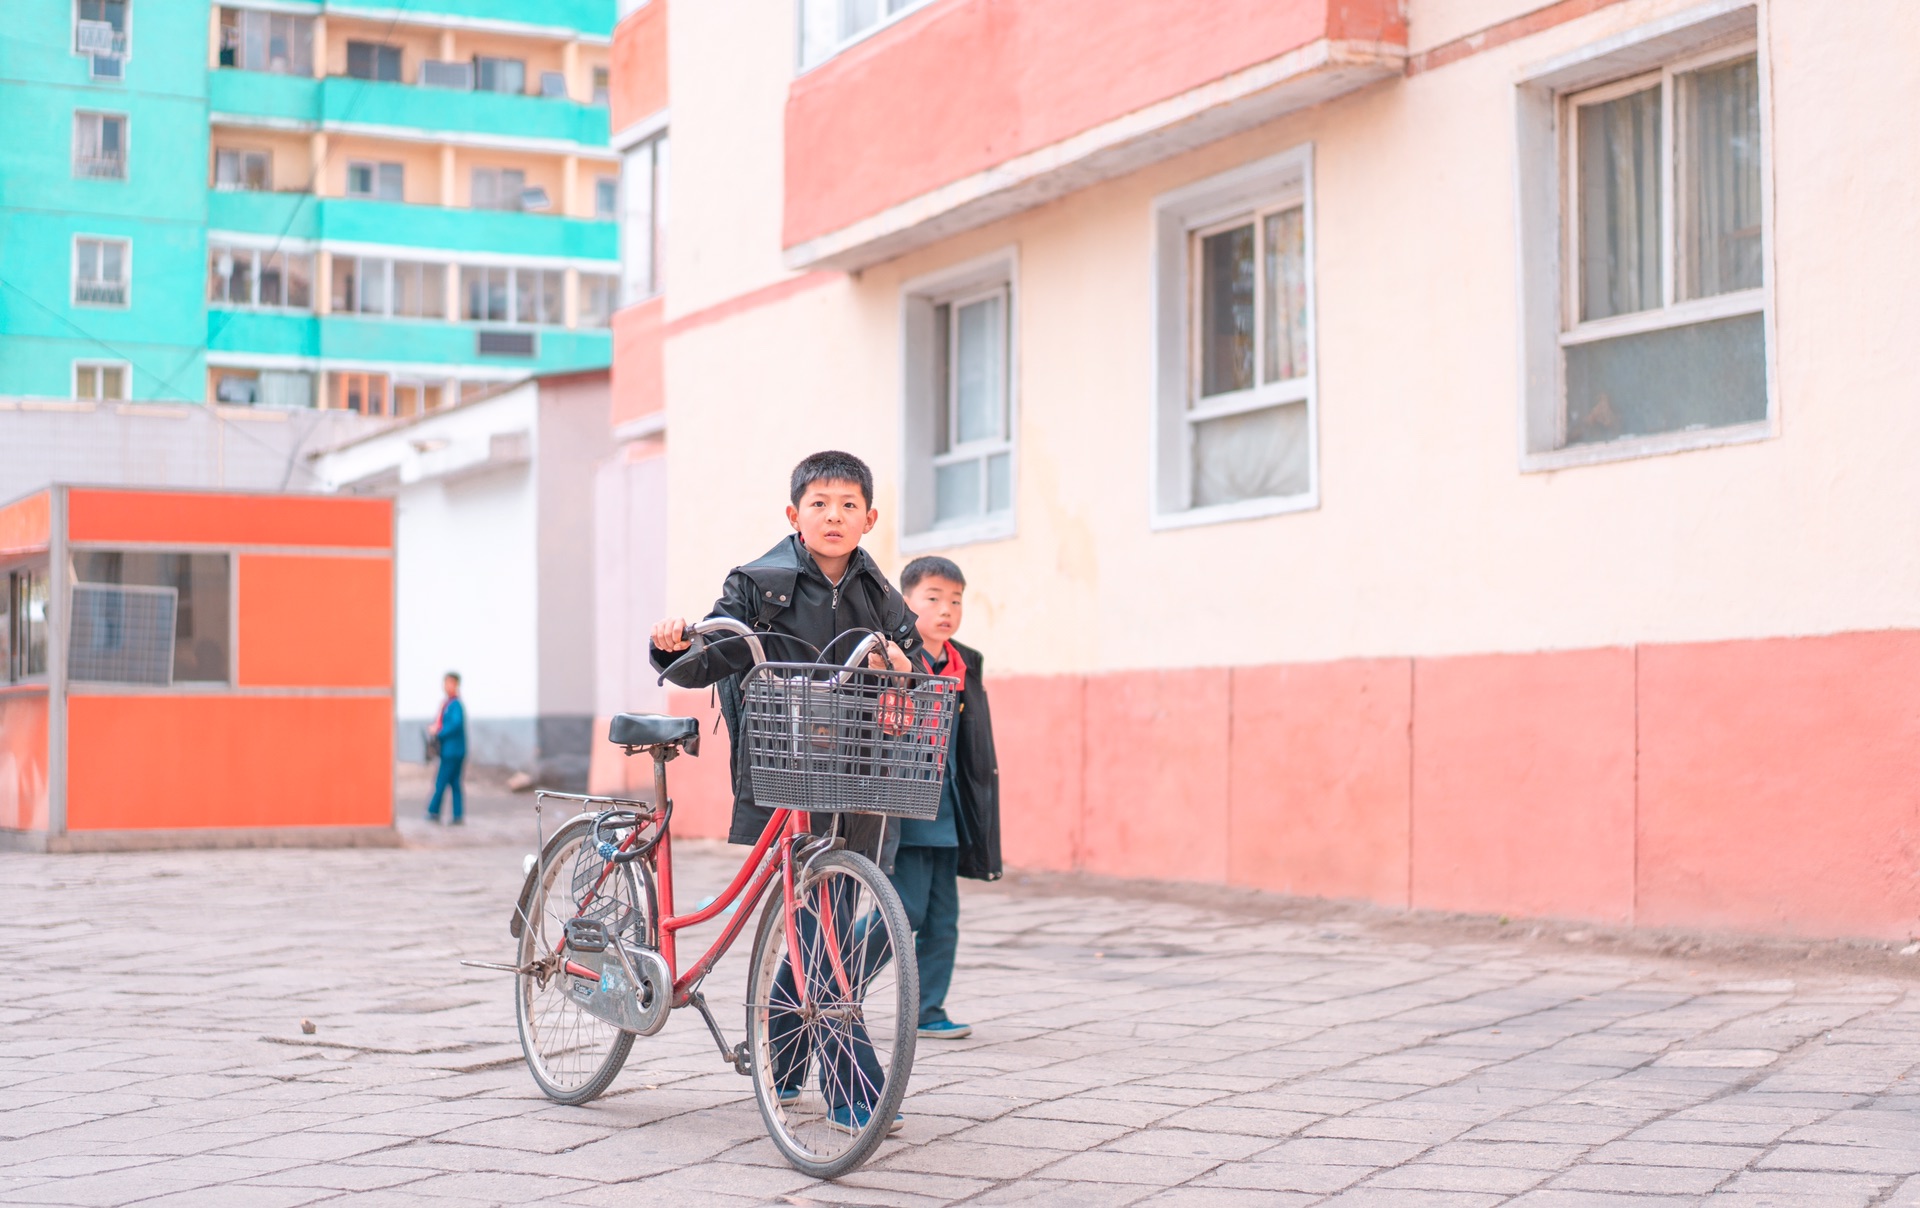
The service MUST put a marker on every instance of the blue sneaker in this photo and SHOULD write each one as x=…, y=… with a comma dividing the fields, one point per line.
x=788, y=1094
x=946, y=1029
x=854, y=1118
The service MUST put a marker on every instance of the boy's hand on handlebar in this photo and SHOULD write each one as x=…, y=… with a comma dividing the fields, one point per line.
x=895, y=658
x=670, y=635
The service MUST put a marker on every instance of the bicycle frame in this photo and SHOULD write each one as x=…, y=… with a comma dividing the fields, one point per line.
x=772, y=854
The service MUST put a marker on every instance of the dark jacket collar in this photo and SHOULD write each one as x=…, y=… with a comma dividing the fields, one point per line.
x=790, y=558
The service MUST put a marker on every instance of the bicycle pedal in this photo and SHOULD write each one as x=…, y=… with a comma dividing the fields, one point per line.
x=586, y=935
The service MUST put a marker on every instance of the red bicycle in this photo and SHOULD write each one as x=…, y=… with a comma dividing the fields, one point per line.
x=831, y=1007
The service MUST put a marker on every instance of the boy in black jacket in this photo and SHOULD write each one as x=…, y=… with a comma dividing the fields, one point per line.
x=964, y=840
x=815, y=586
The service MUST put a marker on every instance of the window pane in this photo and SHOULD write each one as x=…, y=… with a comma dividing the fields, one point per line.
x=86, y=382
x=89, y=254
x=272, y=280
x=497, y=296
x=1257, y=455
x=606, y=197
x=240, y=278
x=1705, y=375
x=1286, y=288
x=286, y=389
x=433, y=291
x=345, y=270
x=300, y=280
x=359, y=180
x=1620, y=205
x=1226, y=312
x=373, y=286
x=1720, y=189
x=113, y=382
x=255, y=28
x=526, y=284
x=999, y=482
x=486, y=186
x=856, y=15
x=979, y=370
x=942, y=385
x=392, y=186
x=30, y=609
x=956, y=492
x=113, y=261
x=473, y=289
x=406, y=288
x=553, y=304
x=108, y=626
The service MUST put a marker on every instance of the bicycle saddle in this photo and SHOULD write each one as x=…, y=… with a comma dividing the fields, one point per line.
x=654, y=730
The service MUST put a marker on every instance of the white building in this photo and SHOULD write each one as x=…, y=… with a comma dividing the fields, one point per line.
x=495, y=578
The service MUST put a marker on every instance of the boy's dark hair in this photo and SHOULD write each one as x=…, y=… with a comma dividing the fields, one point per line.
x=454, y=676
x=831, y=465
x=932, y=566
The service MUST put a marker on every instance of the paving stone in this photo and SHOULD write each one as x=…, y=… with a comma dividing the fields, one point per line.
x=1218, y=1055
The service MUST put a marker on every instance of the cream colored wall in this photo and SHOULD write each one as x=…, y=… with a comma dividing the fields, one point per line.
x=1428, y=539
x=730, y=65
x=541, y=170
x=420, y=165
x=416, y=43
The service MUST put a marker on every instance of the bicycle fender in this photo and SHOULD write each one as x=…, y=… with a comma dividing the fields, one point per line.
x=517, y=923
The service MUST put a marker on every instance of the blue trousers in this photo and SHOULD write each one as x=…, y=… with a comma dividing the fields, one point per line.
x=927, y=879
x=449, y=777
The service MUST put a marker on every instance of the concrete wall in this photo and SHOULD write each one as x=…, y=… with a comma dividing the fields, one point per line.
x=573, y=440
x=182, y=445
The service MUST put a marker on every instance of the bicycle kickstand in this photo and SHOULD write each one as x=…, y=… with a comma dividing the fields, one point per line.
x=734, y=1055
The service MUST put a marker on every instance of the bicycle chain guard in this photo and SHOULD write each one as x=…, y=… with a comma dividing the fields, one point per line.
x=632, y=989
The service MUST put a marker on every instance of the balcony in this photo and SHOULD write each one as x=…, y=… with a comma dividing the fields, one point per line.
x=355, y=220
x=352, y=339
x=971, y=110
x=100, y=293
x=340, y=102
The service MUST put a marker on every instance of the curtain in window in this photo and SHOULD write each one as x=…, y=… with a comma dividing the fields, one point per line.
x=1286, y=286
x=1253, y=455
x=1720, y=189
x=1620, y=205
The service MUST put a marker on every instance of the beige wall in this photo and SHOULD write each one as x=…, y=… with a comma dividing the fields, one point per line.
x=292, y=154
x=1428, y=539
x=420, y=163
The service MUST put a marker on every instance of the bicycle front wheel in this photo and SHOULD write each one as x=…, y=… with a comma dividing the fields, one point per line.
x=572, y=1055
x=832, y=1003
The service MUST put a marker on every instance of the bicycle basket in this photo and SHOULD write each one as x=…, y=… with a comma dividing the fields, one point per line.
x=829, y=739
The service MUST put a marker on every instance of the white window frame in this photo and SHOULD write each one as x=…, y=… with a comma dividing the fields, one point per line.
x=513, y=272
x=126, y=377
x=1231, y=199
x=840, y=44
x=374, y=166
x=389, y=292
x=241, y=154
x=644, y=208
x=126, y=267
x=126, y=143
x=997, y=273
x=73, y=27
x=1548, y=166
x=260, y=255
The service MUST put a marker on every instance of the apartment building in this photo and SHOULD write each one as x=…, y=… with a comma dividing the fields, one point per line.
x=305, y=203
x=1450, y=453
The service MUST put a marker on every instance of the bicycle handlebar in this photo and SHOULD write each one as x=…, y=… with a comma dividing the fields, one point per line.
x=696, y=630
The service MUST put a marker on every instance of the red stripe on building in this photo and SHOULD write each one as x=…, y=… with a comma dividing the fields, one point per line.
x=1513, y=30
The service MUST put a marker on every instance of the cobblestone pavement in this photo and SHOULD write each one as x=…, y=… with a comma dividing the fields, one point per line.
x=1128, y=1051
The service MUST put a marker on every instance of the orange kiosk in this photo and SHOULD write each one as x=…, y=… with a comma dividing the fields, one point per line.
x=195, y=668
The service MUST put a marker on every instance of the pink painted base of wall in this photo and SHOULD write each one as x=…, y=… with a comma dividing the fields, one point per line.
x=1767, y=786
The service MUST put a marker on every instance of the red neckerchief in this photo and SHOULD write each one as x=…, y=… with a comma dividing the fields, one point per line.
x=956, y=666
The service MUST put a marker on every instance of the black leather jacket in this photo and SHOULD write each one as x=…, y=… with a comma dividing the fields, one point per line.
x=784, y=592
x=977, y=768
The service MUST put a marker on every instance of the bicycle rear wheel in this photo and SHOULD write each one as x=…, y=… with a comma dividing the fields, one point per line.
x=572, y=1055
x=831, y=1028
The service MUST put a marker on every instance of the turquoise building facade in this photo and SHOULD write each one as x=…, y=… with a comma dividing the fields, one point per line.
x=377, y=207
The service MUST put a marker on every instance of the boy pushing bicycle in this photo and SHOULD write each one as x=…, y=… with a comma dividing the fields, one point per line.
x=812, y=588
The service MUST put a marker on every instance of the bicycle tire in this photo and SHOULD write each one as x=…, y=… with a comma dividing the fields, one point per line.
x=841, y=891
x=573, y=1056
